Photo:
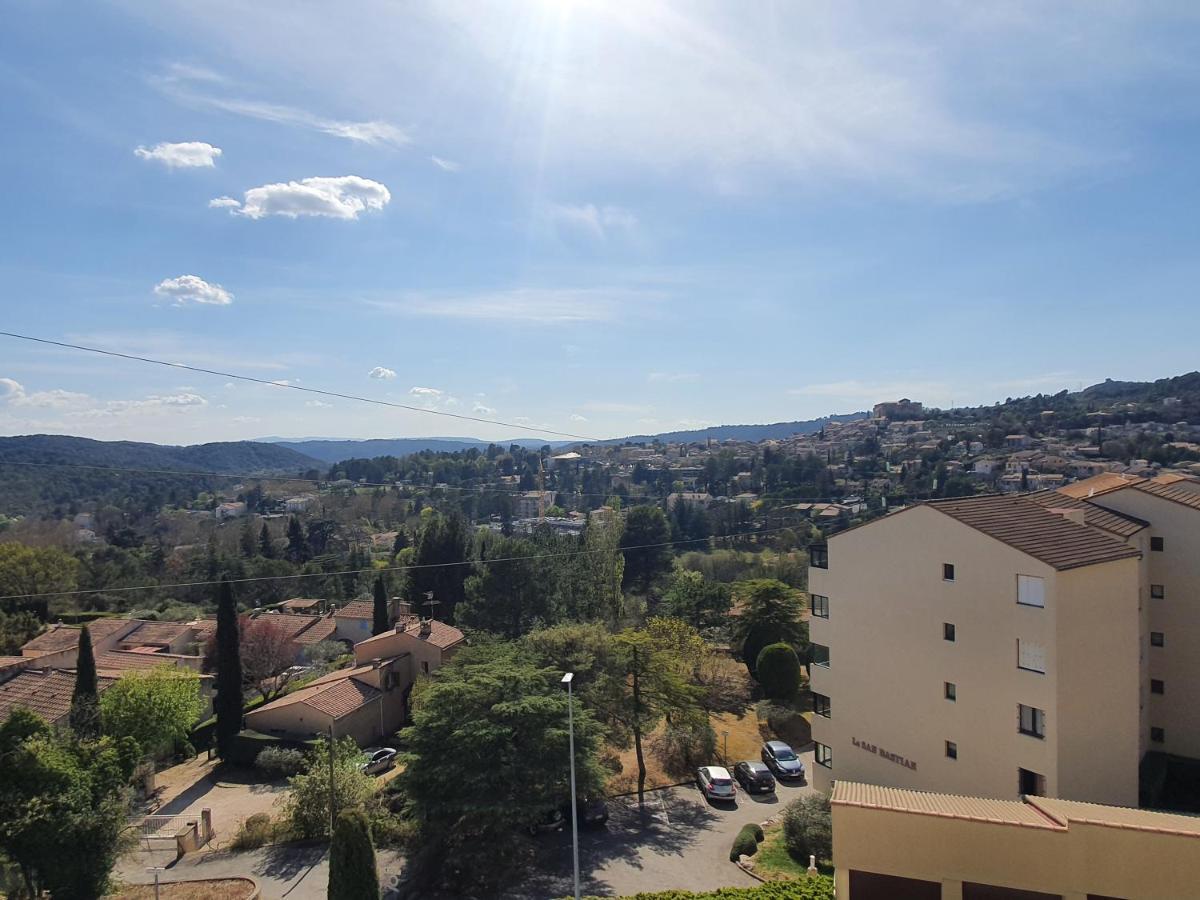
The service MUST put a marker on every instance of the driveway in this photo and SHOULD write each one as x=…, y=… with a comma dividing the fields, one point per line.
x=680, y=840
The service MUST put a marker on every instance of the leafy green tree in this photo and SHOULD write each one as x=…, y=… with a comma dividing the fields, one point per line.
x=770, y=612
x=506, y=722
x=704, y=604
x=298, y=549
x=228, y=703
x=778, y=670
x=307, y=804
x=353, y=874
x=513, y=593
x=645, y=685
x=85, y=700
x=248, y=544
x=64, y=804
x=156, y=708
x=379, y=609
x=808, y=828
x=29, y=571
x=444, y=539
x=646, y=545
x=595, y=576
x=15, y=630
x=266, y=547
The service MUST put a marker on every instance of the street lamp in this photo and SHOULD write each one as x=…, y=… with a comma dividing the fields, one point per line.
x=567, y=679
x=725, y=752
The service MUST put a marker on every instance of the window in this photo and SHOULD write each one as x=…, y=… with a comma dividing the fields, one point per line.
x=950, y=690
x=818, y=556
x=819, y=655
x=1157, y=686
x=951, y=750
x=1031, y=590
x=1031, y=721
x=1031, y=656
x=947, y=571
x=425, y=667
x=823, y=756
x=1156, y=639
x=1156, y=544
x=947, y=631
x=1157, y=591
x=1030, y=783
x=819, y=606
x=1157, y=735
x=821, y=705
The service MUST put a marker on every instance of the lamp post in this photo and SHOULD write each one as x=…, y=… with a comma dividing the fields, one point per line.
x=567, y=679
x=725, y=750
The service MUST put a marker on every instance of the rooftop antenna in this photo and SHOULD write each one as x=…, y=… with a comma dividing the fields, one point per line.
x=430, y=602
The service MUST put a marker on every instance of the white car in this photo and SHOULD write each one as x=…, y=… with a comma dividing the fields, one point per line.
x=379, y=761
x=715, y=783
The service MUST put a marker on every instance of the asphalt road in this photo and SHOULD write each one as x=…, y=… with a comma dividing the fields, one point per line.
x=679, y=840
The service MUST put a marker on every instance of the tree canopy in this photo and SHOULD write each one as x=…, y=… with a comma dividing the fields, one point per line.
x=157, y=708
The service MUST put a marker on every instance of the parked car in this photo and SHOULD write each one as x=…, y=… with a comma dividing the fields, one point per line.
x=716, y=784
x=755, y=777
x=592, y=812
x=379, y=761
x=782, y=760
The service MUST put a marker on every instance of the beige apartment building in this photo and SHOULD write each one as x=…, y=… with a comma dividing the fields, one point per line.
x=1035, y=644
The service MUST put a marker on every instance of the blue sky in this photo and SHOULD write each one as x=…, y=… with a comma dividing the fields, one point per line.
x=601, y=218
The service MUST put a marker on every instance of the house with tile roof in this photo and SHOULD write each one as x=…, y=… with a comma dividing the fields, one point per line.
x=46, y=692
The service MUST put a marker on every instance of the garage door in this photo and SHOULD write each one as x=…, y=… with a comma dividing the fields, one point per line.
x=992, y=892
x=871, y=886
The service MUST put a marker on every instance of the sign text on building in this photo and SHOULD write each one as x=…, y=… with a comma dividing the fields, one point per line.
x=886, y=754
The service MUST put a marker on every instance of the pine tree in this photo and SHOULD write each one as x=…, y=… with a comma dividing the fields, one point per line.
x=298, y=550
x=248, y=543
x=228, y=702
x=85, y=701
x=381, y=620
x=265, y=545
x=352, y=871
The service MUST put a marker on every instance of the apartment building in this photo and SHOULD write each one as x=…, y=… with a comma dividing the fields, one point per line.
x=1034, y=644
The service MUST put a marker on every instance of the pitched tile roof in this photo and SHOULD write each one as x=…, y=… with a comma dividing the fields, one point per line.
x=1120, y=524
x=1099, y=484
x=440, y=635
x=291, y=625
x=975, y=809
x=301, y=603
x=337, y=694
x=356, y=609
x=1181, y=492
x=157, y=633
x=65, y=637
x=125, y=660
x=46, y=692
x=317, y=632
x=1117, y=816
x=1034, y=530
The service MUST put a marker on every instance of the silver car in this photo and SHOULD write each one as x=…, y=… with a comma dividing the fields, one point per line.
x=715, y=783
x=379, y=761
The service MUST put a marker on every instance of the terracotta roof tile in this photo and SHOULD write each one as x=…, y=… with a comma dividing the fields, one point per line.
x=1034, y=530
x=977, y=809
x=64, y=637
x=317, y=632
x=1120, y=524
x=1184, y=492
x=157, y=633
x=125, y=660
x=1118, y=816
x=1099, y=484
x=440, y=635
x=336, y=695
x=46, y=692
x=356, y=609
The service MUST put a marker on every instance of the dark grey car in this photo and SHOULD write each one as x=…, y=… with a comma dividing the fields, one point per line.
x=782, y=760
x=755, y=777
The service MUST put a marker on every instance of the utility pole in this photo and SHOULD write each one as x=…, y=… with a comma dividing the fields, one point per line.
x=567, y=679
x=332, y=788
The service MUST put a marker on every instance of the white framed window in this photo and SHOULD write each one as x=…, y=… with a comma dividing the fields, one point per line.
x=1031, y=590
x=1031, y=656
x=823, y=756
x=1031, y=721
x=819, y=604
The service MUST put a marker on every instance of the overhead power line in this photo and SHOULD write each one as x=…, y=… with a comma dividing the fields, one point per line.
x=465, y=562
x=295, y=387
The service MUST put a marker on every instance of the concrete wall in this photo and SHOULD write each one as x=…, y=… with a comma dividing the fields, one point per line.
x=889, y=663
x=1074, y=862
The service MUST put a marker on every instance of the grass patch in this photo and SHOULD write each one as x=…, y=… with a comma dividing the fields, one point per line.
x=216, y=889
x=774, y=863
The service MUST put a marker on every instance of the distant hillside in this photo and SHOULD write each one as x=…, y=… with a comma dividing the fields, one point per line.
x=332, y=451
x=26, y=488
x=740, y=432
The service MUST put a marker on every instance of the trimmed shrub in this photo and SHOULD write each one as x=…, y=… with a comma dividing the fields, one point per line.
x=808, y=828
x=352, y=871
x=280, y=762
x=746, y=842
x=778, y=671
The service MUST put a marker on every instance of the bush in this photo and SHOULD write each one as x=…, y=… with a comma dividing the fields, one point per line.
x=280, y=762
x=808, y=828
x=746, y=842
x=352, y=871
x=257, y=831
x=681, y=748
x=778, y=671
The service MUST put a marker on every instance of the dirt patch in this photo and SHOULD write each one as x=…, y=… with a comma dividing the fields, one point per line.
x=215, y=889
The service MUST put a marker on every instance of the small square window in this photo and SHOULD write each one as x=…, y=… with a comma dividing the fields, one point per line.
x=1157, y=591
x=1157, y=735
x=952, y=749
x=819, y=606
x=1157, y=686
x=1156, y=639
x=951, y=690
x=947, y=631
x=947, y=571
x=823, y=755
x=1156, y=544
x=1031, y=721
x=822, y=705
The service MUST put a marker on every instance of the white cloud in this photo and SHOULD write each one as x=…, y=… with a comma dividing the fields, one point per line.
x=186, y=155
x=425, y=392
x=446, y=165
x=382, y=372
x=544, y=306
x=193, y=289
x=224, y=203
x=14, y=394
x=342, y=197
x=433, y=398
x=576, y=417
x=480, y=410
x=672, y=377
x=596, y=221
x=318, y=404
x=155, y=404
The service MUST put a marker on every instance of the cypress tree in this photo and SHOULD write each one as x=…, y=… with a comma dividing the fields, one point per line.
x=380, y=610
x=85, y=701
x=265, y=546
x=228, y=701
x=352, y=872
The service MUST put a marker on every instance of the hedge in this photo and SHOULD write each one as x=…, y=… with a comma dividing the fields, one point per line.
x=248, y=744
x=746, y=842
x=203, y=735
x=819, y=887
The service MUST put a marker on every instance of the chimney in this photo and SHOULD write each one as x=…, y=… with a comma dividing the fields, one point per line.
x=426, y=627
x=376, y=663
x=1071, y=515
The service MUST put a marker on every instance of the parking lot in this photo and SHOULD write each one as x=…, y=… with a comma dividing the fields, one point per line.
x=680, y=840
